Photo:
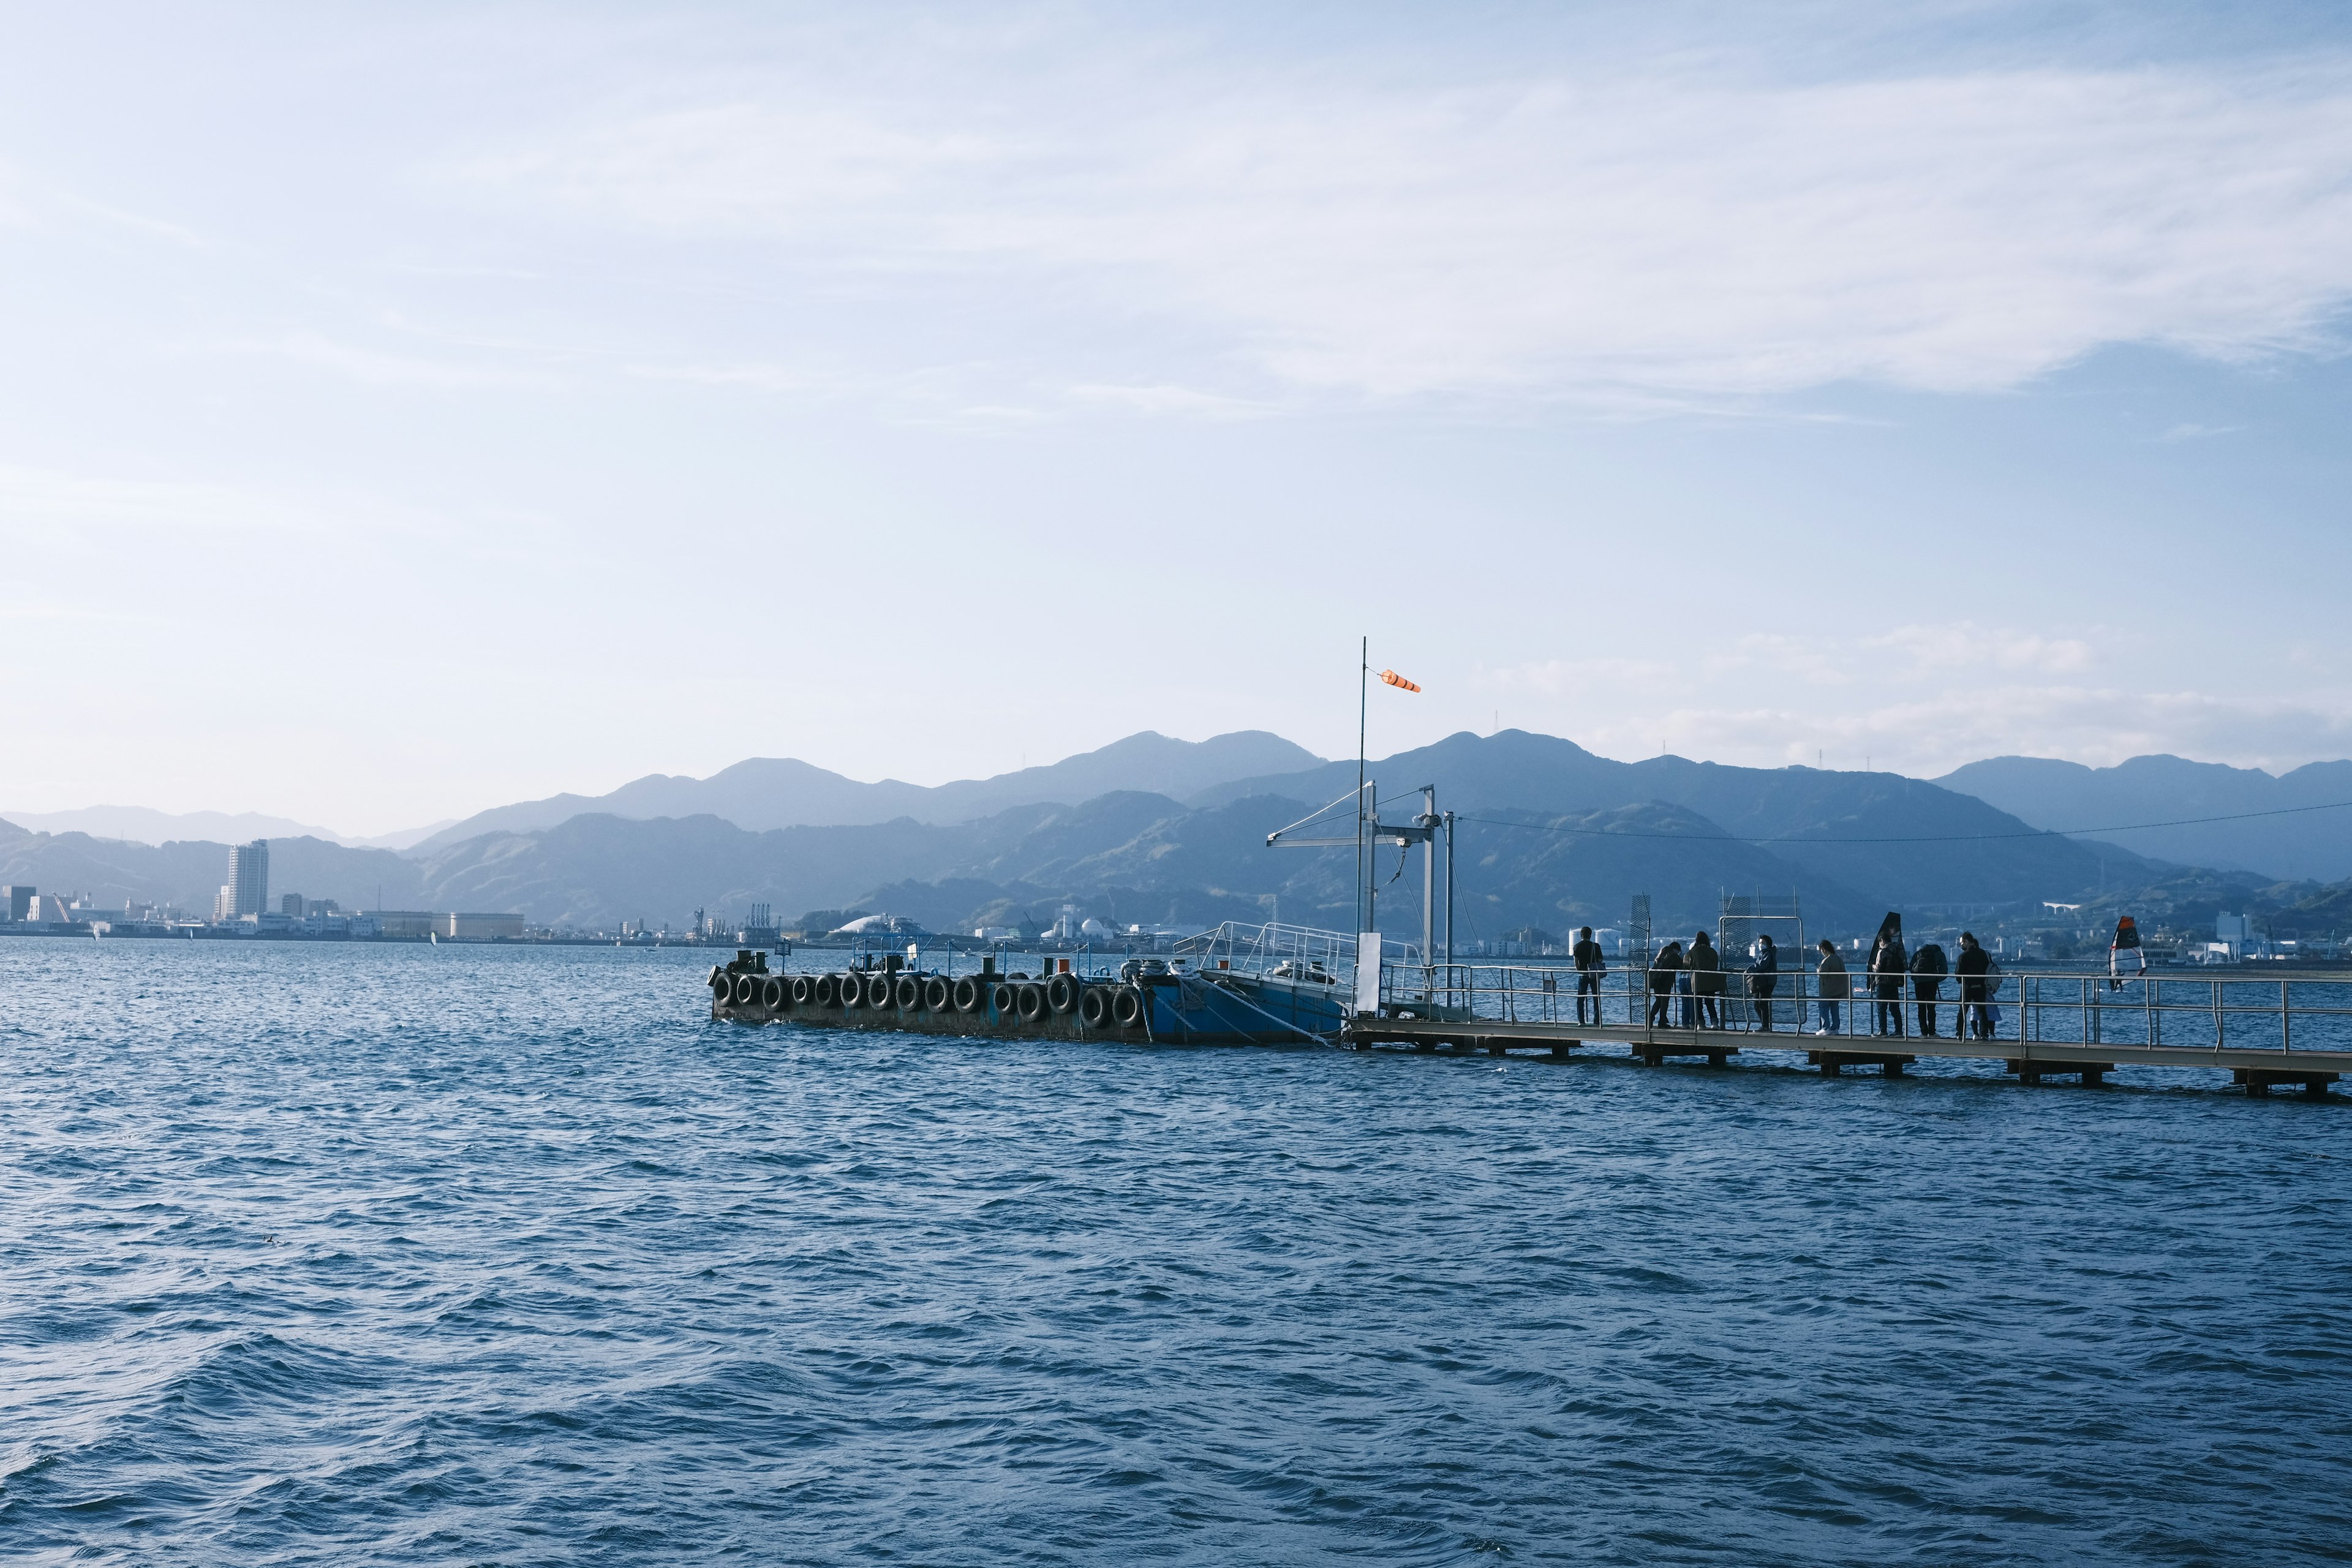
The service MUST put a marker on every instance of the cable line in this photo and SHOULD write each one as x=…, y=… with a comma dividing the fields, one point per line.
x=1919, y=838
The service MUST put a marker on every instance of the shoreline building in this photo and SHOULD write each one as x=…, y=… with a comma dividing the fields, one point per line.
x=246, y=891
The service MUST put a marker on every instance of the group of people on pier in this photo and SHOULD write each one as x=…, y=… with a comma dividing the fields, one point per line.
x=1687, y=985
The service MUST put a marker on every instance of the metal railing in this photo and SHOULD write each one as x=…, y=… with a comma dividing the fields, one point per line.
x=1267, y=949
x=2301, y=1011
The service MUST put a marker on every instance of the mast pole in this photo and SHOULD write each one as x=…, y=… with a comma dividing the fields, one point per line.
x=1363, y=710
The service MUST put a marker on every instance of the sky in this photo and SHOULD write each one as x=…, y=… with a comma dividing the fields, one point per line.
x=406, y=410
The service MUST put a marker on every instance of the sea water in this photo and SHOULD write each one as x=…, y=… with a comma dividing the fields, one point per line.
x=409, y=1254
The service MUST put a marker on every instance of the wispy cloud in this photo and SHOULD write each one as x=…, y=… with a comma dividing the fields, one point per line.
x=1557, y=234
x=377, y=367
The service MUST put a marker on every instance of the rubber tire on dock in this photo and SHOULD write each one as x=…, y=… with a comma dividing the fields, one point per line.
x=714, y=977
x=772, y=993
x=851, y=989
x=802, y=991
x=1127, y=1007
x=907, y=993
x=877, y=992
x=1004, y=998
x=935, y=995
x=969, y=996
x=1093, y=1006
x=1031, y=1003
x=1062, y=993
x=825, y=992
x=742, y=991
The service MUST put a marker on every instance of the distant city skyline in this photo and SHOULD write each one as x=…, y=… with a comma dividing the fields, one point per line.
x=565, y=397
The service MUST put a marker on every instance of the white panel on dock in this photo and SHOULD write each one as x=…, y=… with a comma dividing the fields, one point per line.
x=1368, y=972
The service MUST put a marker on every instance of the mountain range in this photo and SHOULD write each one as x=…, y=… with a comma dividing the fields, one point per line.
x=1550, y=834
x=2314, y=842
x=781, y=792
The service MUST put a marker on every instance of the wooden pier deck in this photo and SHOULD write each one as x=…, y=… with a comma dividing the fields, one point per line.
x=2259, y=1070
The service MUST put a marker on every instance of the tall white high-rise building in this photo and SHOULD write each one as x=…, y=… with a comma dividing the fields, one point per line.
x=248, y=878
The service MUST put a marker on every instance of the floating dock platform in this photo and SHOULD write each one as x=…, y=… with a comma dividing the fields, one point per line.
x=1286, y=985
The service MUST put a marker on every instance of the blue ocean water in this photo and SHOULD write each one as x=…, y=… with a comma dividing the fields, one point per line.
x=401, y=1254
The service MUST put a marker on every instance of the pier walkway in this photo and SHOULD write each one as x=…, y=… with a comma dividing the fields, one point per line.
x=2283, y=1030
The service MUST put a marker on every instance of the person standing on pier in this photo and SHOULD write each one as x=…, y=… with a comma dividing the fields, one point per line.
x=1971, y=966
x=1763, y=979
x=1829, y=991
x=1707, y=982
x=1590, y=965
x=1928, y=969
x=1665, y=970
x=1888, y=963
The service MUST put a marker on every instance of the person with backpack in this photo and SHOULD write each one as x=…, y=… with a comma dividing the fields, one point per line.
x=1888, y=963
x=1830, y=990
x=1590, y=965
x=1763, y=979
x=1663, y=970
x=1928, y=969
x=1707, y=982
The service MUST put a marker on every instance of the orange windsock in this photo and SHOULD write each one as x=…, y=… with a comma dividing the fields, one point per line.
x=1393, y=678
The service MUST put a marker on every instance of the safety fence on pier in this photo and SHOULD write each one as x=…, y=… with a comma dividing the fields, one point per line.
x=2238, y=1011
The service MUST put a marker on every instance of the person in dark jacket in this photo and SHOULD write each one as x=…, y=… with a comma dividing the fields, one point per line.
x=1888, y=963
x=1830, y=989
x=1590, y=965
x=1974, y=962
x=1763, y=979
x=1928, y=969
x=1665, y=970
x=1706, y=981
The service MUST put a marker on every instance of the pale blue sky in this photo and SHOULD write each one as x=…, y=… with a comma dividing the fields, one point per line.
x=405, y=412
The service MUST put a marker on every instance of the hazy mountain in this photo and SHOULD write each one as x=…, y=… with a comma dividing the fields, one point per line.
x=142, y=825
x=188, y=872
x=2064, y=795
x=781, y=792
x=1799, y=810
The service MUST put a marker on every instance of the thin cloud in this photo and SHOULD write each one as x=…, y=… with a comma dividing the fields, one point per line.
x=1558, y=235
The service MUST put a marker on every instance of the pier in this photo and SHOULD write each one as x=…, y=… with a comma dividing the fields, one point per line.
x=2289, y=1030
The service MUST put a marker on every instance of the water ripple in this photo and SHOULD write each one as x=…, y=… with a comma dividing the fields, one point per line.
x=427, y=1256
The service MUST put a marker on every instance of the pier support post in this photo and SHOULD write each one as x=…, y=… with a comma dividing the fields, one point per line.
x=2260, y=1081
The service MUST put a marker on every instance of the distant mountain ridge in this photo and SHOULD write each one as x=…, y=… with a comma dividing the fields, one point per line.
x=764, y=792
x=2061, y=795
x=1933, y=843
